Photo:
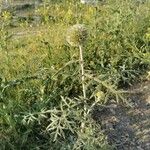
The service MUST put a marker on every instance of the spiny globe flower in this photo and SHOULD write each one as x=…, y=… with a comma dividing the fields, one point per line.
x=77, y=35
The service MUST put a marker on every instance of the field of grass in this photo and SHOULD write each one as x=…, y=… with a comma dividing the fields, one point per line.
x=41, y=102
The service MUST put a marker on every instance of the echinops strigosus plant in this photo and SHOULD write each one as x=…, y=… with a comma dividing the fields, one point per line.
x=76, y=36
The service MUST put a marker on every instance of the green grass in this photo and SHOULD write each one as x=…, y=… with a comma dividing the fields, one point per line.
x=40, y=86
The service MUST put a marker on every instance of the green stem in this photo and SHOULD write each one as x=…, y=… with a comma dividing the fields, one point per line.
x=82, y=71
x=83, y=86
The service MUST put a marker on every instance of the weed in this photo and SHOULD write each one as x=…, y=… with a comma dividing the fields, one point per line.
x=40, y=85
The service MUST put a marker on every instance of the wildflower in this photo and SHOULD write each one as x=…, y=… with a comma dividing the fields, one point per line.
x=6, y=15
x=100, y=95
x=77, y=35
x=148, y=36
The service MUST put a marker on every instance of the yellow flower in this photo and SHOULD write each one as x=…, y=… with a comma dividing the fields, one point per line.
x=148, y=75
x=148, y=36
x=100, y=95
x=6, y=15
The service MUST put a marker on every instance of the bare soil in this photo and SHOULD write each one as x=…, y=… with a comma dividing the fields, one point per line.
x=128, y=128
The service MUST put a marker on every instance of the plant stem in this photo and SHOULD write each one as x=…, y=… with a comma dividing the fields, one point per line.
x=82, y=71
x=83, y=86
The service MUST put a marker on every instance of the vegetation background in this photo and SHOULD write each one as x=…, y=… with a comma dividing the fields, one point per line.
x=40, y=85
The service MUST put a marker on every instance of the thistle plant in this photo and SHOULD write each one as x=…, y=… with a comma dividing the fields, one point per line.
x=76, y=36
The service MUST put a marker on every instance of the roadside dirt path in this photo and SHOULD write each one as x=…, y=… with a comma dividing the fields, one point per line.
x=128, y=128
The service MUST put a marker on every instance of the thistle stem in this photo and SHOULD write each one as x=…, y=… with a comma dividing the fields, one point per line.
x=82, y=71
x=83, y=85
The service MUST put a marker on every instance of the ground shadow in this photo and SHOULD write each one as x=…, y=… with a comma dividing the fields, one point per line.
x=127, y=128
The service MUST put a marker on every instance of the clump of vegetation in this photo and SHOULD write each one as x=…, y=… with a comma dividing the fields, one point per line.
x=40, y=82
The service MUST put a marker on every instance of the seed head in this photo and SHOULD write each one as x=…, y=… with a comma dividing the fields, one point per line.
x=77, y=35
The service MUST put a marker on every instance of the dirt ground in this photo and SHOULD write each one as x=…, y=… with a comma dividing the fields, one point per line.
x=128, y=128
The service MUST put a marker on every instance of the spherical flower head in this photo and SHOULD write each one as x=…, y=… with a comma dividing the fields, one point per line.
x=77, y=35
